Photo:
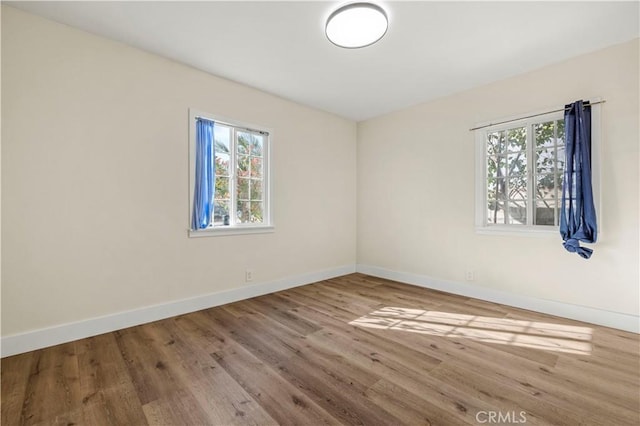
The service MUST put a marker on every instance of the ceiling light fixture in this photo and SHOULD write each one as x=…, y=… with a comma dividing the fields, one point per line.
x=356, y=25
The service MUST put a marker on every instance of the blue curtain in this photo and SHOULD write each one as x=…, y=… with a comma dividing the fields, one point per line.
x=578, y=214
x=205, y=175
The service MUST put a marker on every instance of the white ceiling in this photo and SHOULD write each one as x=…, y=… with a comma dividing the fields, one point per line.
x=432, y=49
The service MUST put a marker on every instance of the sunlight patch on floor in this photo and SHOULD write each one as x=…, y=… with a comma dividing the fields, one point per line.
x=528, y=334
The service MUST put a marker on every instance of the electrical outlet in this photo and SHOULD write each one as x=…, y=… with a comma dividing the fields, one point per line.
x=470, y=275
x=248, y=275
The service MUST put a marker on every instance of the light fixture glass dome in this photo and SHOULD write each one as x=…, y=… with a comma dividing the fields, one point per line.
x=356, y=25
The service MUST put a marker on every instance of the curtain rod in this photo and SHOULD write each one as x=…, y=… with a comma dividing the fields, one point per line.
x=241, y=128
x=530, y=116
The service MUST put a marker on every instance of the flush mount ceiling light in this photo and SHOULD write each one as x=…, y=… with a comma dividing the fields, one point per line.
x=356, y=25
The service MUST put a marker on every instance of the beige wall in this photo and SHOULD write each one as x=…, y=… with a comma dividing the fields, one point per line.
x=416, y=188
x=95, y=180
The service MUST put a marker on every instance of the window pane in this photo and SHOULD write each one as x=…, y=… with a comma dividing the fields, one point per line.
x=222, y=138
x=222, y=164
x=495, y=212
x=256, y=167
x=561, y=159
x=256, y=189
x=256, y=212
x=516, y=139
x=496, y=166
x=517, y=188
x=544, y=134
x=517, y=212
x=222, y=188
x=495, y=143
x=546, y=186
x=491, y=185
x=256, y=145
x=243, y=189
x=559, y=179
x=517, y=163
x=496, y=189
x=243, y=211
x=545, y=160
x=545, y=212
x=243, y=166
x=220, y=212
x=244, y=142
x=560, y=127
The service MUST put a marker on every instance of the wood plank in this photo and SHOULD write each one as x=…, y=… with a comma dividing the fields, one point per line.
x=272, y=308
x=199, y=330
x=213, y=390
x=108, y=394
x=505, y=393
x=412, y=410
x=53, y=388
x=179, y=408
x=284, y=402
x=151, y=375
x=15, y=376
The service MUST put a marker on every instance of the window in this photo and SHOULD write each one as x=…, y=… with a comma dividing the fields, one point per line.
x=241, y=200
x=519, y=173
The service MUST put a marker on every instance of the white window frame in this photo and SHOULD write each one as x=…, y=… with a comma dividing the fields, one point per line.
x=528, y=121
x=235, y=228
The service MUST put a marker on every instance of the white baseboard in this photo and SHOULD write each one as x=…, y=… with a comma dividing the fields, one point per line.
x=42, y=338
x=617, y=320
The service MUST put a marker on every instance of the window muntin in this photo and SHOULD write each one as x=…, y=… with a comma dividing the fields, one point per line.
x=242, y=191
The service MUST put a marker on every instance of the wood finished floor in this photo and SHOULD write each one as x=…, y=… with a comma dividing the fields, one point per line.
x=410, y=356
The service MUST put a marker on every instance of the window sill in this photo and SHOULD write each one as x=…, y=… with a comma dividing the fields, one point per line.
x=520, y=231
x=221, y=232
